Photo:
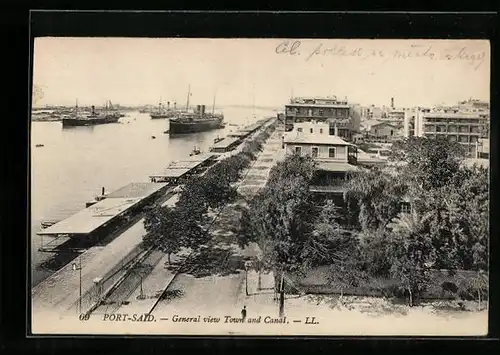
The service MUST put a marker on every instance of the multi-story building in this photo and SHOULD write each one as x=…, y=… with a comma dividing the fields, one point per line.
x=382, y=132
x=342, y=119
x=334, y=157
x=463, y=126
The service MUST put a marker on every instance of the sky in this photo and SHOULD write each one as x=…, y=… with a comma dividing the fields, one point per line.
x=136, y=71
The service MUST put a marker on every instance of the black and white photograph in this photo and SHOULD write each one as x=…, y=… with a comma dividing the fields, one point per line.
x=260, y=186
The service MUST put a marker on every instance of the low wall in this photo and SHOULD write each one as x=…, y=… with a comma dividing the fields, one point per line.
x=444, y=284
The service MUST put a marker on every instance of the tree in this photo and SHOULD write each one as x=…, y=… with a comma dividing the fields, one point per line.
x=164, y=230
x=169, y=229
x=217, y=190
x=193, y=199
x=279, y=218
x=459, y=219
x=374, y=198
x=478, y=285
x=412, y=253
x=429, y=162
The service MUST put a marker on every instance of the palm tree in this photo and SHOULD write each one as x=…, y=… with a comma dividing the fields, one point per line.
x=413, y=250
x=410, y=223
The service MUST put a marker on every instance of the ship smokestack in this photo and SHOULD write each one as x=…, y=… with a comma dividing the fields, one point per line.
x=175, y=105
x=202, y=107
x=392, y=102
x=93, y=109
x=168, y=104
x=103, y=191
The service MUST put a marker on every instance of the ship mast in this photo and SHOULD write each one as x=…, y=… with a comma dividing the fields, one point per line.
x=189, y=94
x=213, y=105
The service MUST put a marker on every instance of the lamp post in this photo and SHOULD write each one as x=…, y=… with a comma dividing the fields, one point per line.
x=79, y=268
x=246, y=277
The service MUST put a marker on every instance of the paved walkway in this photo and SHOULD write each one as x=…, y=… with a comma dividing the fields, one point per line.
x=222, y=293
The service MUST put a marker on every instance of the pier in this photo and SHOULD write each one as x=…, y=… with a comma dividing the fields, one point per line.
x=90, y=223
x=184, y=168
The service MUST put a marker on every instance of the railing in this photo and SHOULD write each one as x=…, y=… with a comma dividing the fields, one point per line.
x=322, y=188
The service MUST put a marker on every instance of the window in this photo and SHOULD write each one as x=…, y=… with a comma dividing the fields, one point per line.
x=405, y=207
x=314, y=152
x=311, y=130
x=298, y=150
x=299, y=129
x=331, y=152
x=321, y=130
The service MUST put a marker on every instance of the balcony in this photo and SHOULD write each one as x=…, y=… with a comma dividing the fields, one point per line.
x=327, y=189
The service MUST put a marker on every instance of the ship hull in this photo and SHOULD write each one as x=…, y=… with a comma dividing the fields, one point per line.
x=71, y=122
x=193, y=127
x=154, y=117
x=161, y=115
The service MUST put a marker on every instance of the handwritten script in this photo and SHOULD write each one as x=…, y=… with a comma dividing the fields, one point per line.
x=413, y=51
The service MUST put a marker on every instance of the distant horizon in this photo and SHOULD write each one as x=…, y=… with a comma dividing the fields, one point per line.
x=247, y=105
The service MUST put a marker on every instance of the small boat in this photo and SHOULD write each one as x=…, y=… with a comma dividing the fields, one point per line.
x=39, y=145
x=195, y=151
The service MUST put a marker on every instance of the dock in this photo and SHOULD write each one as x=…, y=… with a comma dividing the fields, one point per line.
x=235, y=138
x=184, y=168
x=88, y=222
x=225, y=145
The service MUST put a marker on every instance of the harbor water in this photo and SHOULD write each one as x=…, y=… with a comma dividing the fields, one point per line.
x=75, y=163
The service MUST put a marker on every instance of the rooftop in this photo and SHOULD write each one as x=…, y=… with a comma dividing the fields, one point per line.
x=336, y=166
x=296, y=137
x=93, y=217
x=135, y=190
x=332, y=105
x=454, y=114
x=226, y=142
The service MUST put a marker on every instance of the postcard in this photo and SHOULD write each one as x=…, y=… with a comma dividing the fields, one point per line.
x=270, y=186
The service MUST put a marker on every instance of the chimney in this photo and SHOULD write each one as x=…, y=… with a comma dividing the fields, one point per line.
x=392, y=102
x=336, y=130
x=175, y=105
x=93, y=109
x=168, y=104
x=102, y=191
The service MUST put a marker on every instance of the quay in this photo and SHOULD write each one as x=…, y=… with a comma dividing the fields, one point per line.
x=91, y=223
x=77, y=287
x=236, y=138
x=179, y=170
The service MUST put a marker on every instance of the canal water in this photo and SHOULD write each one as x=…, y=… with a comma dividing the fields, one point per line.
x=75, y=163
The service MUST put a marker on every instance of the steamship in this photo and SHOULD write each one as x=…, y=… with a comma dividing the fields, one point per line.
x=94, y=118
x=162, y=113
x=198, y=121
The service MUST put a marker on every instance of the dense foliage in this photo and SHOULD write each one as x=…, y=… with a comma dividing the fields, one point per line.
x=170, y=228
x=445, y=228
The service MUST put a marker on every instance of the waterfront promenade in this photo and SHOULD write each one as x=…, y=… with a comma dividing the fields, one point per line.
x=217, y=292
x=107, y=268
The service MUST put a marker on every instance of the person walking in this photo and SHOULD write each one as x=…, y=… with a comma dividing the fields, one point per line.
x=244, y=313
